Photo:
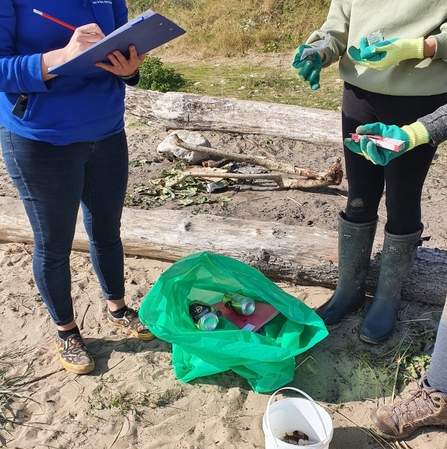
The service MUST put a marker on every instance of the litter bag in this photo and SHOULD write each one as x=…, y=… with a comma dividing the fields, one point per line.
x=266, y=360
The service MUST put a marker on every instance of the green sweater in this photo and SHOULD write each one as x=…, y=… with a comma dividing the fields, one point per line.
x=349, y=20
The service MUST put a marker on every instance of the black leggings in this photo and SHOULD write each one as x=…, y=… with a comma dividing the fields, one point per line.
x=404, y=176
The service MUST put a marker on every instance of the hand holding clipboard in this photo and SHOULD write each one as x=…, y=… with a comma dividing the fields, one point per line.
x=147, y=31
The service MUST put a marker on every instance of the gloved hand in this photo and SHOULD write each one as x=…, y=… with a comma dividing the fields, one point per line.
x=385, y=54
x=413, y=135
x=309, y=68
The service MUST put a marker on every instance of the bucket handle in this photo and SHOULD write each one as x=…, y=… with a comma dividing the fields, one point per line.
x=313, y=403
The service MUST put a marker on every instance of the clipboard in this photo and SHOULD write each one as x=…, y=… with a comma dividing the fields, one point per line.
x=147, y=31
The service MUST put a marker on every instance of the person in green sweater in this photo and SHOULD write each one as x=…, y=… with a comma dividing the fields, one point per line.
x=392, y=58
x=428, y=403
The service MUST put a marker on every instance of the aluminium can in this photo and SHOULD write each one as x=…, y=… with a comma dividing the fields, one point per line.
x=238, y=303
x=203, y=315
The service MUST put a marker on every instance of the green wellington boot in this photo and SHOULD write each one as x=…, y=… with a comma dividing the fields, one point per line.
x=355, y=241
x=398, y=253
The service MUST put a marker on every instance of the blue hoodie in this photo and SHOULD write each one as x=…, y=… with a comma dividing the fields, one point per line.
x=64, y=109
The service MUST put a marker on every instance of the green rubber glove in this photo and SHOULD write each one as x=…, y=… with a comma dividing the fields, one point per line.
x=309, y=68
x=413, y=135
x=385, y=54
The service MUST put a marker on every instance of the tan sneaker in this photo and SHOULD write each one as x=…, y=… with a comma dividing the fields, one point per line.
x=132, y=323
x=74, y=355
x=426, y=407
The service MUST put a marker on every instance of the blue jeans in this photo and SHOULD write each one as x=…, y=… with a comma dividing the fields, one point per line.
x=52, y=182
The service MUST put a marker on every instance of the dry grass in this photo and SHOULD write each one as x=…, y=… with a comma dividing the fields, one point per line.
x=14, y=370
x=235, y=27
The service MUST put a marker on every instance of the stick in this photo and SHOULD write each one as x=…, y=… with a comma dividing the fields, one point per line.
x=282, y=181
x=332, y=177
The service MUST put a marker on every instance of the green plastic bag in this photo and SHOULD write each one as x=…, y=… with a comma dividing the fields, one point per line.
x=266, y=361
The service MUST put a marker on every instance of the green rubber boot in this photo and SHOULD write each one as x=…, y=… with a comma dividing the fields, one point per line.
x=398, y=253
x=355, y=241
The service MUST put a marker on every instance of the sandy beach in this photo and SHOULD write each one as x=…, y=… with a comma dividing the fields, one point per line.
x=133, y=400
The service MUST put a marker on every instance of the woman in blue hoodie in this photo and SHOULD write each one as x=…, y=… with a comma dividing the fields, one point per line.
x=64, y=145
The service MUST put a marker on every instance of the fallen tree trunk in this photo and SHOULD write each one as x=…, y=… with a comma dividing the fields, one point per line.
x=177, y=110
x=301, y=255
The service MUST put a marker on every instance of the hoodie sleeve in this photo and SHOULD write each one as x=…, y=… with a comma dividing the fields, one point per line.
x=441, y=43
x=120, y=12
x=436, y=125
x=18, y=73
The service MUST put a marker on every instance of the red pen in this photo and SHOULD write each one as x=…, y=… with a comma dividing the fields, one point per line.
x=47, y=16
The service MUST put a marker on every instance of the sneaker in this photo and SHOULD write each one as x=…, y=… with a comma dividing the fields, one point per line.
x=73, y=355
x=132, y=323
x=426, y=407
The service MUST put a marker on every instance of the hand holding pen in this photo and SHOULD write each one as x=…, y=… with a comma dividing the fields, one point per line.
x=84, y=37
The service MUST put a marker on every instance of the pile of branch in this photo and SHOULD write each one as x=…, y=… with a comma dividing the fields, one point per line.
x=333, y=176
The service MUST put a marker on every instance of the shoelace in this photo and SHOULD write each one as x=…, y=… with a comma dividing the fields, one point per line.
x=419, y=404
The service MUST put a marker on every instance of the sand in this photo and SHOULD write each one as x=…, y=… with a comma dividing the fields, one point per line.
x=133, y=400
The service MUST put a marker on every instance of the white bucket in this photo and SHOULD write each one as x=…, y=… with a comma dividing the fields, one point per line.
x=289, y=414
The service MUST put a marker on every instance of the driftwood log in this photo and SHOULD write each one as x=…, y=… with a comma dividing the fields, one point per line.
x=301, y=255
x=176, y=110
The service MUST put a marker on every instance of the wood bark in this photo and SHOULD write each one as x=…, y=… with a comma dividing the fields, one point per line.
x=176, y=110
x=301, y=255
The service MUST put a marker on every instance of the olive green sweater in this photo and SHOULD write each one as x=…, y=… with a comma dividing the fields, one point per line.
x=349, y=20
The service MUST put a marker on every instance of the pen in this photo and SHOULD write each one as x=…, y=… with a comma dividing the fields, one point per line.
x=47, y=16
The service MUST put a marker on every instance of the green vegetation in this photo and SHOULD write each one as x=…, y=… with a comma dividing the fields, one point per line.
x=155, y=76
x=236, y=27
x=248, y=81
x=125, y=405
x=223, y=50
x=365, y=371
x=14, y=369
x=191, y=191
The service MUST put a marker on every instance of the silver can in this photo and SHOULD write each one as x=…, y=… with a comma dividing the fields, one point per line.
x=203, y=315
x=238, y=303
x=215, y=186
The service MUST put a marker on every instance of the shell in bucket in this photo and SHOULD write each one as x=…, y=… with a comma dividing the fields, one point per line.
x=296, y=414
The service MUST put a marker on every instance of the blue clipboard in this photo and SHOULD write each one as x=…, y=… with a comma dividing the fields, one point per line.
x=147, y=31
